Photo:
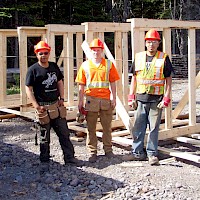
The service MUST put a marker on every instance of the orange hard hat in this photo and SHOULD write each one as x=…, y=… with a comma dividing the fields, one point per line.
x=97, y=43
x=152, y=34
x=41, y=45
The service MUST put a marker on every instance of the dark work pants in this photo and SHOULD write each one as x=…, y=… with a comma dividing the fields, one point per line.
x=61, y=128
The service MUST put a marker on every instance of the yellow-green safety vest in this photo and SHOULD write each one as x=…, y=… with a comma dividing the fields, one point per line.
x=152, y=80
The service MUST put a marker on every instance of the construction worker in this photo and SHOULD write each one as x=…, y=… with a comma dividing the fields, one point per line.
x=44, y=88
x=96, y=75
x=149, y=92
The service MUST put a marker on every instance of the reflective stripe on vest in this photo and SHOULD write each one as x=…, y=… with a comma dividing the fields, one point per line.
x=97, y=84
x=152, y=80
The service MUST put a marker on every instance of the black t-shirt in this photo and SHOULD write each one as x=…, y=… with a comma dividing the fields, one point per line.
x=44, y=81
x=168, y=69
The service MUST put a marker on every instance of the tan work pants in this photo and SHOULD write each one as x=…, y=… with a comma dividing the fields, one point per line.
x=105, y=119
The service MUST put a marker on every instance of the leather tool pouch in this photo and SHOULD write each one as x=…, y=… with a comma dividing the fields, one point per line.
x=43, y=118
x=105, y=104
x=53, y=110
x=62, y=111
x=92, y=104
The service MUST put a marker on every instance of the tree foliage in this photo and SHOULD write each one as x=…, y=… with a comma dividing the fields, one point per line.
x=15, y=13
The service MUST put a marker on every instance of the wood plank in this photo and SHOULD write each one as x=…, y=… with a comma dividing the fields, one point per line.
x=103, y=26
x=7, y=116
x=70, y=73
x=120, y=109
x=77, y=128
x=196, y=136
x=125, y=63
x=162, y=23
x=28, y=115
x=167, y=48
x=131, y=164
x=119, y=106
x=120, y=133
x=63, y=28
x=79, y=52
x=77, y=139
x=191, y=75
x=3, y=69
x=187, y=140
x=167, y=161
x=178, y=131
x=178, y=154
x=180, y=106
x=118, y=62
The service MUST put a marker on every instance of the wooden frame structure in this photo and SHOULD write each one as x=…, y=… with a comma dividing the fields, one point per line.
x=172, y=128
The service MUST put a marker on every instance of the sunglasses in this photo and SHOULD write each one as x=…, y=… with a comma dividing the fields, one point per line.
x=43, y=53
x=152, y=42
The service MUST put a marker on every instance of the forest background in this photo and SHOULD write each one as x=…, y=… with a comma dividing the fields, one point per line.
x=15, y=13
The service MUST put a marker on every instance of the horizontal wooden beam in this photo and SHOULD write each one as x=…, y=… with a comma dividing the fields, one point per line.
x=162, y=23
x=178, y=131
x=178, y=154
x=63, y=28
x=7, y=116
x=187, y=140
x=107, y=27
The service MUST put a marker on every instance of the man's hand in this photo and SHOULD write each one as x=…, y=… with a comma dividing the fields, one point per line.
x=81, y=115
x=132, y=101
x=61, y=102
x=40, y=109
x=113, y=103
x=164, y=103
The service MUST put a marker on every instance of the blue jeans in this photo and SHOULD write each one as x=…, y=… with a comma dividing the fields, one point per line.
x=146, y=114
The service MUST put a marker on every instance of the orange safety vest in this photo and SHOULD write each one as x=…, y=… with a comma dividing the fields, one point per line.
x=150, y=81
x=101, y=79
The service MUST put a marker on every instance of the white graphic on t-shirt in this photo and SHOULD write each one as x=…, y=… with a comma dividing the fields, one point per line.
x=148, y=64
x=51, y=78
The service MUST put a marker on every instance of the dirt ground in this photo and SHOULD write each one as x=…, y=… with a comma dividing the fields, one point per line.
x=20, y=177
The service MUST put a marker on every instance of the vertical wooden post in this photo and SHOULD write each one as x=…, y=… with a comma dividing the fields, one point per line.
x=70, y=68
x=191, y=76
x=3, y=80
x=167, y=49
x=125, y=78
x=65, y=67
x=118, y=59
x=79, y=51
x=51, y=41
x=23, y=63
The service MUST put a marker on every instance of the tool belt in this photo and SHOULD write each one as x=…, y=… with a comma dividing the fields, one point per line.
x=52, y=111
x=94, y=104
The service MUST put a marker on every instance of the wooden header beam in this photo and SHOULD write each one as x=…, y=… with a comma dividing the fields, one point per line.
x=163, y=23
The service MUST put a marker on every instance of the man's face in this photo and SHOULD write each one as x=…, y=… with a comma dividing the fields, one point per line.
x=43, y=55
x=152, y=45
x=97, y=52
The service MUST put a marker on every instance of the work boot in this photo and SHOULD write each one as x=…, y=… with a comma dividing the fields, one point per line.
x=153, y=160
x=44, y=167
x=109, y=154
x=134, y=157
x=93, y=158
x=72, y=160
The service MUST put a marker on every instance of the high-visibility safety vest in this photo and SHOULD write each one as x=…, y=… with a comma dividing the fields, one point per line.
x=98, y=81
x=152, y=80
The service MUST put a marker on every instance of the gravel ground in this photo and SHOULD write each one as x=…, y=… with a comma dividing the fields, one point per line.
x=20, y=176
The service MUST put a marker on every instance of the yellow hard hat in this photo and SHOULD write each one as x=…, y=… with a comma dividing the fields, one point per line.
x=96, y=43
